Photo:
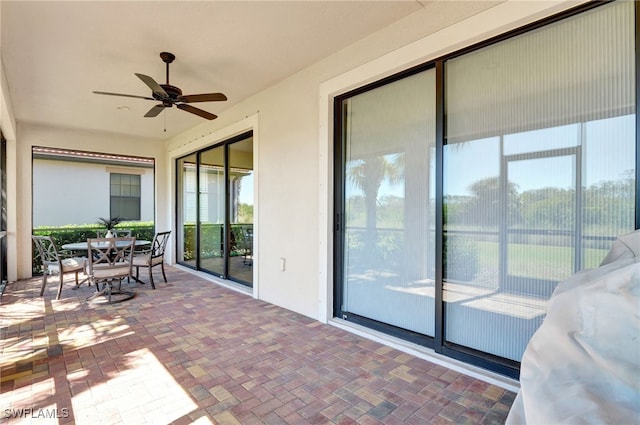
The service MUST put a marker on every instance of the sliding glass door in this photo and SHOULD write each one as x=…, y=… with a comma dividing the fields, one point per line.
x=520, y=155
x=212, y=210
x=187, y=180
x=215, y=210
x=468, y=188
x=240, y=201
x=387, y=259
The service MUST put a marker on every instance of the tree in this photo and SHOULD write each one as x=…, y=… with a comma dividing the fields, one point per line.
x=485, y=207
x=368, y=174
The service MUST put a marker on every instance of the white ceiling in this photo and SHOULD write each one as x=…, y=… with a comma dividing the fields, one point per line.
x=56, y=53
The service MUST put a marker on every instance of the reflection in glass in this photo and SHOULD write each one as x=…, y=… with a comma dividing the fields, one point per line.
x=187, y=204
x=241, y=210
x=389, y=209
x=538, y=171
x=608, y=200
x=211, y=192
x=542, y=224
x=215, y=198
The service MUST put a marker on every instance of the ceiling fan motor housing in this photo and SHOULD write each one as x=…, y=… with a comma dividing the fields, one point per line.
x=173, y=93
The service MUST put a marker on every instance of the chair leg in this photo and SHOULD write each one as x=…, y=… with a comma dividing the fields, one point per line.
x=163, y=275
x=61, y=278
x=44, y=282
x=109, y=286
x=153, y=285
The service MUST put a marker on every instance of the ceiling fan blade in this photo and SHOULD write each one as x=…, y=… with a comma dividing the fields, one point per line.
x=206, y=97
x=153, y=112
x=199, y=112
x=125, y=95
x=155, y=87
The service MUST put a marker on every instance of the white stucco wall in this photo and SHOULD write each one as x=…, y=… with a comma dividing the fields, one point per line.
x=8, y=127
x=92, y=181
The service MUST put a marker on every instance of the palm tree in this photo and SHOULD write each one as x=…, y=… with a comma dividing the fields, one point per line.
x=368, y=175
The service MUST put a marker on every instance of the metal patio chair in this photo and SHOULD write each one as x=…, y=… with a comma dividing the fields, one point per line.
x=152, y=257
x=54, y=262
x=110, y=261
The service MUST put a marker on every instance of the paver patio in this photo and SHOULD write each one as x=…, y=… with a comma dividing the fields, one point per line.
x=196, y=352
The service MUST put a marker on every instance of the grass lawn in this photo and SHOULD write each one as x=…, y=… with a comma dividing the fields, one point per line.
x=537, y=261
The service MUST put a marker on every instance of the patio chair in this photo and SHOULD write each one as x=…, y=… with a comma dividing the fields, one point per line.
x=110, y=261
x=152, y=257
x=55, y=262
x=246, y=245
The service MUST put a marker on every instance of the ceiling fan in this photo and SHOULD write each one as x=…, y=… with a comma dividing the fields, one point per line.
x=170, y=95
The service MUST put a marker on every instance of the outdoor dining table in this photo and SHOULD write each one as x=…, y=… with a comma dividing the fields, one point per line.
x=84, y=246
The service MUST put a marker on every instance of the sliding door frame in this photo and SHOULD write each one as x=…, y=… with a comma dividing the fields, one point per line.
x=227, y=208
x=438, y=342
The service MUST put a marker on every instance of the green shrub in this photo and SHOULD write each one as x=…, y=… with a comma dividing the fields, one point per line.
x=460, y=258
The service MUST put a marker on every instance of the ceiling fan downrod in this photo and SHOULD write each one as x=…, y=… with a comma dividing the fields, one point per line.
x=167, y=58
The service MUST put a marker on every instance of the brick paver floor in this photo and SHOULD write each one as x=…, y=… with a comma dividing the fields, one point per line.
x=196, y=352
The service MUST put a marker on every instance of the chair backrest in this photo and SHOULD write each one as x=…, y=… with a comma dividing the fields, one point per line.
x=248, y=235
x=159, y=244
x=110, y=257
x=244, y=238
x=121, y=233
x=47, y=249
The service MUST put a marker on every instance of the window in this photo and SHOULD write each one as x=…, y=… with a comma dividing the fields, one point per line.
x=125, y=196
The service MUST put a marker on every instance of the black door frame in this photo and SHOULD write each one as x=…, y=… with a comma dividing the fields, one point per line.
x=226, y=225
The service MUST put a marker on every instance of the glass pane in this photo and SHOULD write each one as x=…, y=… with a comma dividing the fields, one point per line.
x=187, y=207
x=609, y=201
x=389, y=208
x=529, y=122
x=472, y=212
x=212, y=210
x=125, y=208
x=241, y=210
x=542, y=224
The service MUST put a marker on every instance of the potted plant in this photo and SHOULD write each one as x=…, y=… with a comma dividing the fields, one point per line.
x=109, y=224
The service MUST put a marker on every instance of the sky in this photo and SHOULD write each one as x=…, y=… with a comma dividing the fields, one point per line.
x=607, y=147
